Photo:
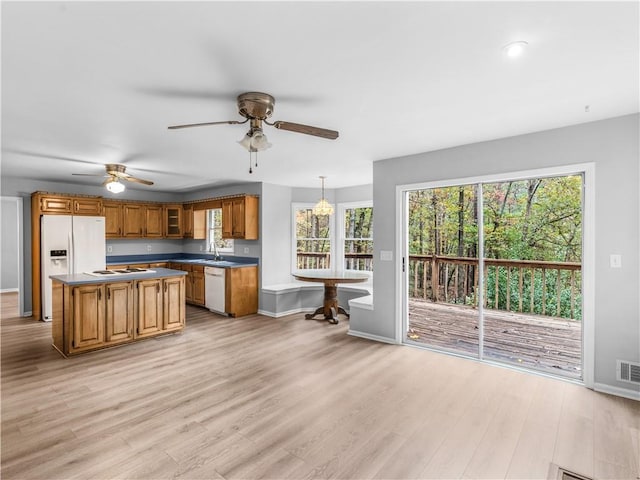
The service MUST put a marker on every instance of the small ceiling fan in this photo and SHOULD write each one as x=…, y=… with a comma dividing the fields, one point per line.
x=256, y=107
x=115, y=173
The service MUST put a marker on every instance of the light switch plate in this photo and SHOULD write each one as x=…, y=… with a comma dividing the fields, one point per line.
x=148, y=248
x=615, y=260
x=386, y=255
x=109, y=248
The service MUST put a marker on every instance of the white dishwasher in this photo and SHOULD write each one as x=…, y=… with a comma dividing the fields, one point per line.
x=214, y=289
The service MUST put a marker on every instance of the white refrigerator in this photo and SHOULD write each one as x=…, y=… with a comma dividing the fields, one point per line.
x=70, y=244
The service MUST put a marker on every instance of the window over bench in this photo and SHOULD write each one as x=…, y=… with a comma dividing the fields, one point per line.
x=313, y=238
x=356, y=236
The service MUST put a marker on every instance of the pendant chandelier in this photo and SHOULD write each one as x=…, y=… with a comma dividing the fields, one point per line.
x=322, y=207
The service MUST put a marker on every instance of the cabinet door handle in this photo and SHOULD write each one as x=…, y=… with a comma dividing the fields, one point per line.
x=157, y=287
x=99, y=294
x=108, y=293
x=165, y=287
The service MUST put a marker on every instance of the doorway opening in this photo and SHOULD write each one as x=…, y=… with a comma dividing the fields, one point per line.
x=495, y=271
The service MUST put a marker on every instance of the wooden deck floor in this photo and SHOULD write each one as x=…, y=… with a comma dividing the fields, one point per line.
x=547, y=344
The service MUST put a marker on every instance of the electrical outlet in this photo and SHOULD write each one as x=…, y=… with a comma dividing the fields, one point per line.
x=615, y=260
x=246, y=249
x=201, y=247
x=109, y=248
x=148, y=248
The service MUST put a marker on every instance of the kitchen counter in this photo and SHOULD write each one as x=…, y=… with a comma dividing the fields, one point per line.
x=193, y=261
x=86, y=279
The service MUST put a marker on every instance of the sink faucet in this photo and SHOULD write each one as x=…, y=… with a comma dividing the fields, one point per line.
x=216, y=255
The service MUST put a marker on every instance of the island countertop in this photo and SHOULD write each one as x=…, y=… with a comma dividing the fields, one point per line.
x=86, y=279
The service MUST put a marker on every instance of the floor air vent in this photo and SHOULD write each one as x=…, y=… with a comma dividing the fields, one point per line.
x=628, y=371
x=559, y=473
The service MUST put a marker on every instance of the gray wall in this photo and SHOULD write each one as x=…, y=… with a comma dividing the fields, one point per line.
x=613, y=146
x=275, y=232
x=10, y=217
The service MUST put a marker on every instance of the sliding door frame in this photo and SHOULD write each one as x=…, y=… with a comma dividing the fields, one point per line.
x=587, y=170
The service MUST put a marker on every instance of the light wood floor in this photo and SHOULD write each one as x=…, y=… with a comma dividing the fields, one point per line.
x=258, y=397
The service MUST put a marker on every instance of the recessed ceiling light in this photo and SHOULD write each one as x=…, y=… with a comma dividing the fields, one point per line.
x=515, y=49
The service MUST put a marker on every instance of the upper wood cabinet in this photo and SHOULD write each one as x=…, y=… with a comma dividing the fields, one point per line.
x=133, y=220
x=240, y=218
x=194, y=223
x=142, y=220
x=87, y=206
x=173, y=224
x=112, y=212
x=153, y=221
x=51, y=204
x=55, y=205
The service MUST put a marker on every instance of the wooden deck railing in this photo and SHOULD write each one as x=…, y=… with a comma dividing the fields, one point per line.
x=352, y=261
x=545, y=288
x=526, y=286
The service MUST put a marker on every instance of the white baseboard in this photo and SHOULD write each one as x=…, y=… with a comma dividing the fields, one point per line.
x=618, y=391
x=284, y=314
x=369, y=336
x=9, y=290
x=28, y=314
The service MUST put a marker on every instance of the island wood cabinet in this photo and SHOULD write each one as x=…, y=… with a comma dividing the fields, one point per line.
x=240, y=218
x=160, y=306
x=119, y=316
x=87, y=317
x=94, y=316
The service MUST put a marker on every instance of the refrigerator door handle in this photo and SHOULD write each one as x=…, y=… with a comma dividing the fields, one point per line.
x=71, y=260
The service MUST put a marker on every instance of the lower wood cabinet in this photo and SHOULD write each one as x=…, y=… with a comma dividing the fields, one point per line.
x=148, y=307
x=173, y=309
x=87, y=317
x=94, y=316
x=119, y=312
x=194, y=282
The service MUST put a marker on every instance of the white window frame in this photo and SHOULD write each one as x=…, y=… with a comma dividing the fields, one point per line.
x=294, y=241
x=209, y=249
x=588, y=252
x=341, y=235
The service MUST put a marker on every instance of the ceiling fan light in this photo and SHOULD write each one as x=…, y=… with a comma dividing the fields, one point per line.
x=246, y=141
x=259, y=141
x=515, y=49
x=114, y=186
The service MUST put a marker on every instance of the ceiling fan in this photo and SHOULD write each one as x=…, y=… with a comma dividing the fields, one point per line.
x=256, y=107
x=115, y=173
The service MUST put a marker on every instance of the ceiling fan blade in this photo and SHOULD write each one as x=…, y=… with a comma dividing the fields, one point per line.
x=137, y=180
x=228, y=122
x=88, y=175
x=306, y=129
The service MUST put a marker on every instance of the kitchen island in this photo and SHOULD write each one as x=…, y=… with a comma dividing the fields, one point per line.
x=92, y=312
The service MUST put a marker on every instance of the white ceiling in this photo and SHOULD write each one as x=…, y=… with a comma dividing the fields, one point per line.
x=87, y=83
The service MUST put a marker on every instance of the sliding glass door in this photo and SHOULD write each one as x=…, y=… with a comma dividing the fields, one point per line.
x=509, y=292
